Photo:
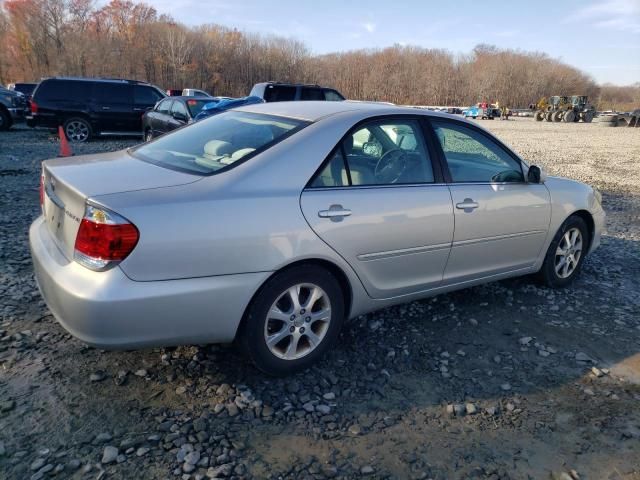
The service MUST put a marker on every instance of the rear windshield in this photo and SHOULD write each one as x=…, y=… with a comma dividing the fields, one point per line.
x=218, y=143
x=195, y=106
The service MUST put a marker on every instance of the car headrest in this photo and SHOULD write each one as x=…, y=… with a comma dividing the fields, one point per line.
x=217, y=148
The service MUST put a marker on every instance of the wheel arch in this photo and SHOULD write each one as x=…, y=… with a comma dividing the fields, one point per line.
x=588, y=219
x=335, y=270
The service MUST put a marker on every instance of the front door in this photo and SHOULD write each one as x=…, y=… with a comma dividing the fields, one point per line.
x=377, y=204
x=501, y=221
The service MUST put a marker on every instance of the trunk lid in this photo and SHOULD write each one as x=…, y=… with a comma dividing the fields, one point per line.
x=69, y=182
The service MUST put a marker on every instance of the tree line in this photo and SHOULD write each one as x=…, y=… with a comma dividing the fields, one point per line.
x=125, y=39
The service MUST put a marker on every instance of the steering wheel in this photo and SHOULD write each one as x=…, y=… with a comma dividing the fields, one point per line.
x=391, y=166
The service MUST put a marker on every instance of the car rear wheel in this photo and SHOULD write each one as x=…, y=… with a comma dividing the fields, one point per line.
x=77, y=130
x=294, y=320
x=566, y=254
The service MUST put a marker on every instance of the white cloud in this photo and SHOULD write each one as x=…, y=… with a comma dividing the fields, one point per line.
x=369, y=27
x=617, y=15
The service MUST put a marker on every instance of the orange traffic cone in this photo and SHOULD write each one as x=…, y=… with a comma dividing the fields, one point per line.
x=65, y=149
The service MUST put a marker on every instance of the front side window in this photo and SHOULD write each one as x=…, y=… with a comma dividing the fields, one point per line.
x=180, y=109
x=218, y=143
x=311, y=94
x=474, y=157
x=382, y=152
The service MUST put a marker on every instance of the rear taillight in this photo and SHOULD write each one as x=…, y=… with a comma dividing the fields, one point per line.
x=42, y=191
x=34, y=107
x=104, y=239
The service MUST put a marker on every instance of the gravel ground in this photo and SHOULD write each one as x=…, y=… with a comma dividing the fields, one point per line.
x=503, y=381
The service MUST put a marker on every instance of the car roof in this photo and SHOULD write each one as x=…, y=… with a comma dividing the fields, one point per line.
x=315, y=110
x=102, y=80
x=188, y=97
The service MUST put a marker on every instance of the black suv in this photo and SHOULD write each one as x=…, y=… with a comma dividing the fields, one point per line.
x=91, y=106
x=286, y=92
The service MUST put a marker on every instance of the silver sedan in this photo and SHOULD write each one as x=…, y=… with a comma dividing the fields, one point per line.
x=273, y=224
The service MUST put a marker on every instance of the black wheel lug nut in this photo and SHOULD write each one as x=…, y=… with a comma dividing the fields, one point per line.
x=292, y=329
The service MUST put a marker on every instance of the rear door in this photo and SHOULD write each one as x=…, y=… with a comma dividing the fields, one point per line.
x=379, y=202
x=161, y=116
x=114, y=107
x=501, y=221
x=179, y=116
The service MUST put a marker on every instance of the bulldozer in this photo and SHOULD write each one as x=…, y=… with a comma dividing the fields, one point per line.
x=564, y=109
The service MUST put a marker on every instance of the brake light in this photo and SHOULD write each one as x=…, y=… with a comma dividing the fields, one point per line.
x=104, y=239
x=42, y=191
x=34, y=107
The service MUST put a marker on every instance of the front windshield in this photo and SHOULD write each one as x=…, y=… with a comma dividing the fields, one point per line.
x=218, y=142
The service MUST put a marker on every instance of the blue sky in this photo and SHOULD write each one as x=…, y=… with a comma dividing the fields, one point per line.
x=601, y=37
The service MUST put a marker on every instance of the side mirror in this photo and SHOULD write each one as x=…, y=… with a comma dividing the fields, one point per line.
x=536, y=174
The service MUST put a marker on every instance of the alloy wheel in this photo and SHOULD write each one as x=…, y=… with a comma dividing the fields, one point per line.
x=297, y=321
x=568, y=253
x=77, y=131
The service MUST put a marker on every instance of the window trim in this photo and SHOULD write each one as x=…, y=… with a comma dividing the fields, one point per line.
x=442, y=160
x=419, y=119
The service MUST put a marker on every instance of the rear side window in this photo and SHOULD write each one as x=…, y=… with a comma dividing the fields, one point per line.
x=145, y=95
x=61, y=90
x=219, y=142
x=332, y=96
x=113, y=93
x=312, y=94
x=381, y=152
x=164, y=106
x=280, y=93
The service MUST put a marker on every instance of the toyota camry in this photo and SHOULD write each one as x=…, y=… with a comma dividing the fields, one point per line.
x=273, y=224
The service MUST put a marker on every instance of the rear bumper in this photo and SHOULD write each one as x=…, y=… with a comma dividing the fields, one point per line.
x=109, y=310
x=17, y=114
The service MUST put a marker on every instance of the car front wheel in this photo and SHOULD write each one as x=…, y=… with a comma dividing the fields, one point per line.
x=566, y=253
x=294, y=320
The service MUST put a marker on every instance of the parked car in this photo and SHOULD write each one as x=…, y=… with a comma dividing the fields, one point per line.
x=171, y=113
x=13, y=107
x=284, y=92
x=172, y=92
x=24, y=88
x=88, y=107
x=254, y=225
x=223, y=103
x=477, y=111
x=194, y=92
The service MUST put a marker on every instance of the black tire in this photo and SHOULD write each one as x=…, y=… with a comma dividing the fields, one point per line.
x=5, y=120
x=77, y=130
x=547, y=273
x=252, y=331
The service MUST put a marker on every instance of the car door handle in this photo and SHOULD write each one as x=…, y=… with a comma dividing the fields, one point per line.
x=335, y=213
x=468, y=205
